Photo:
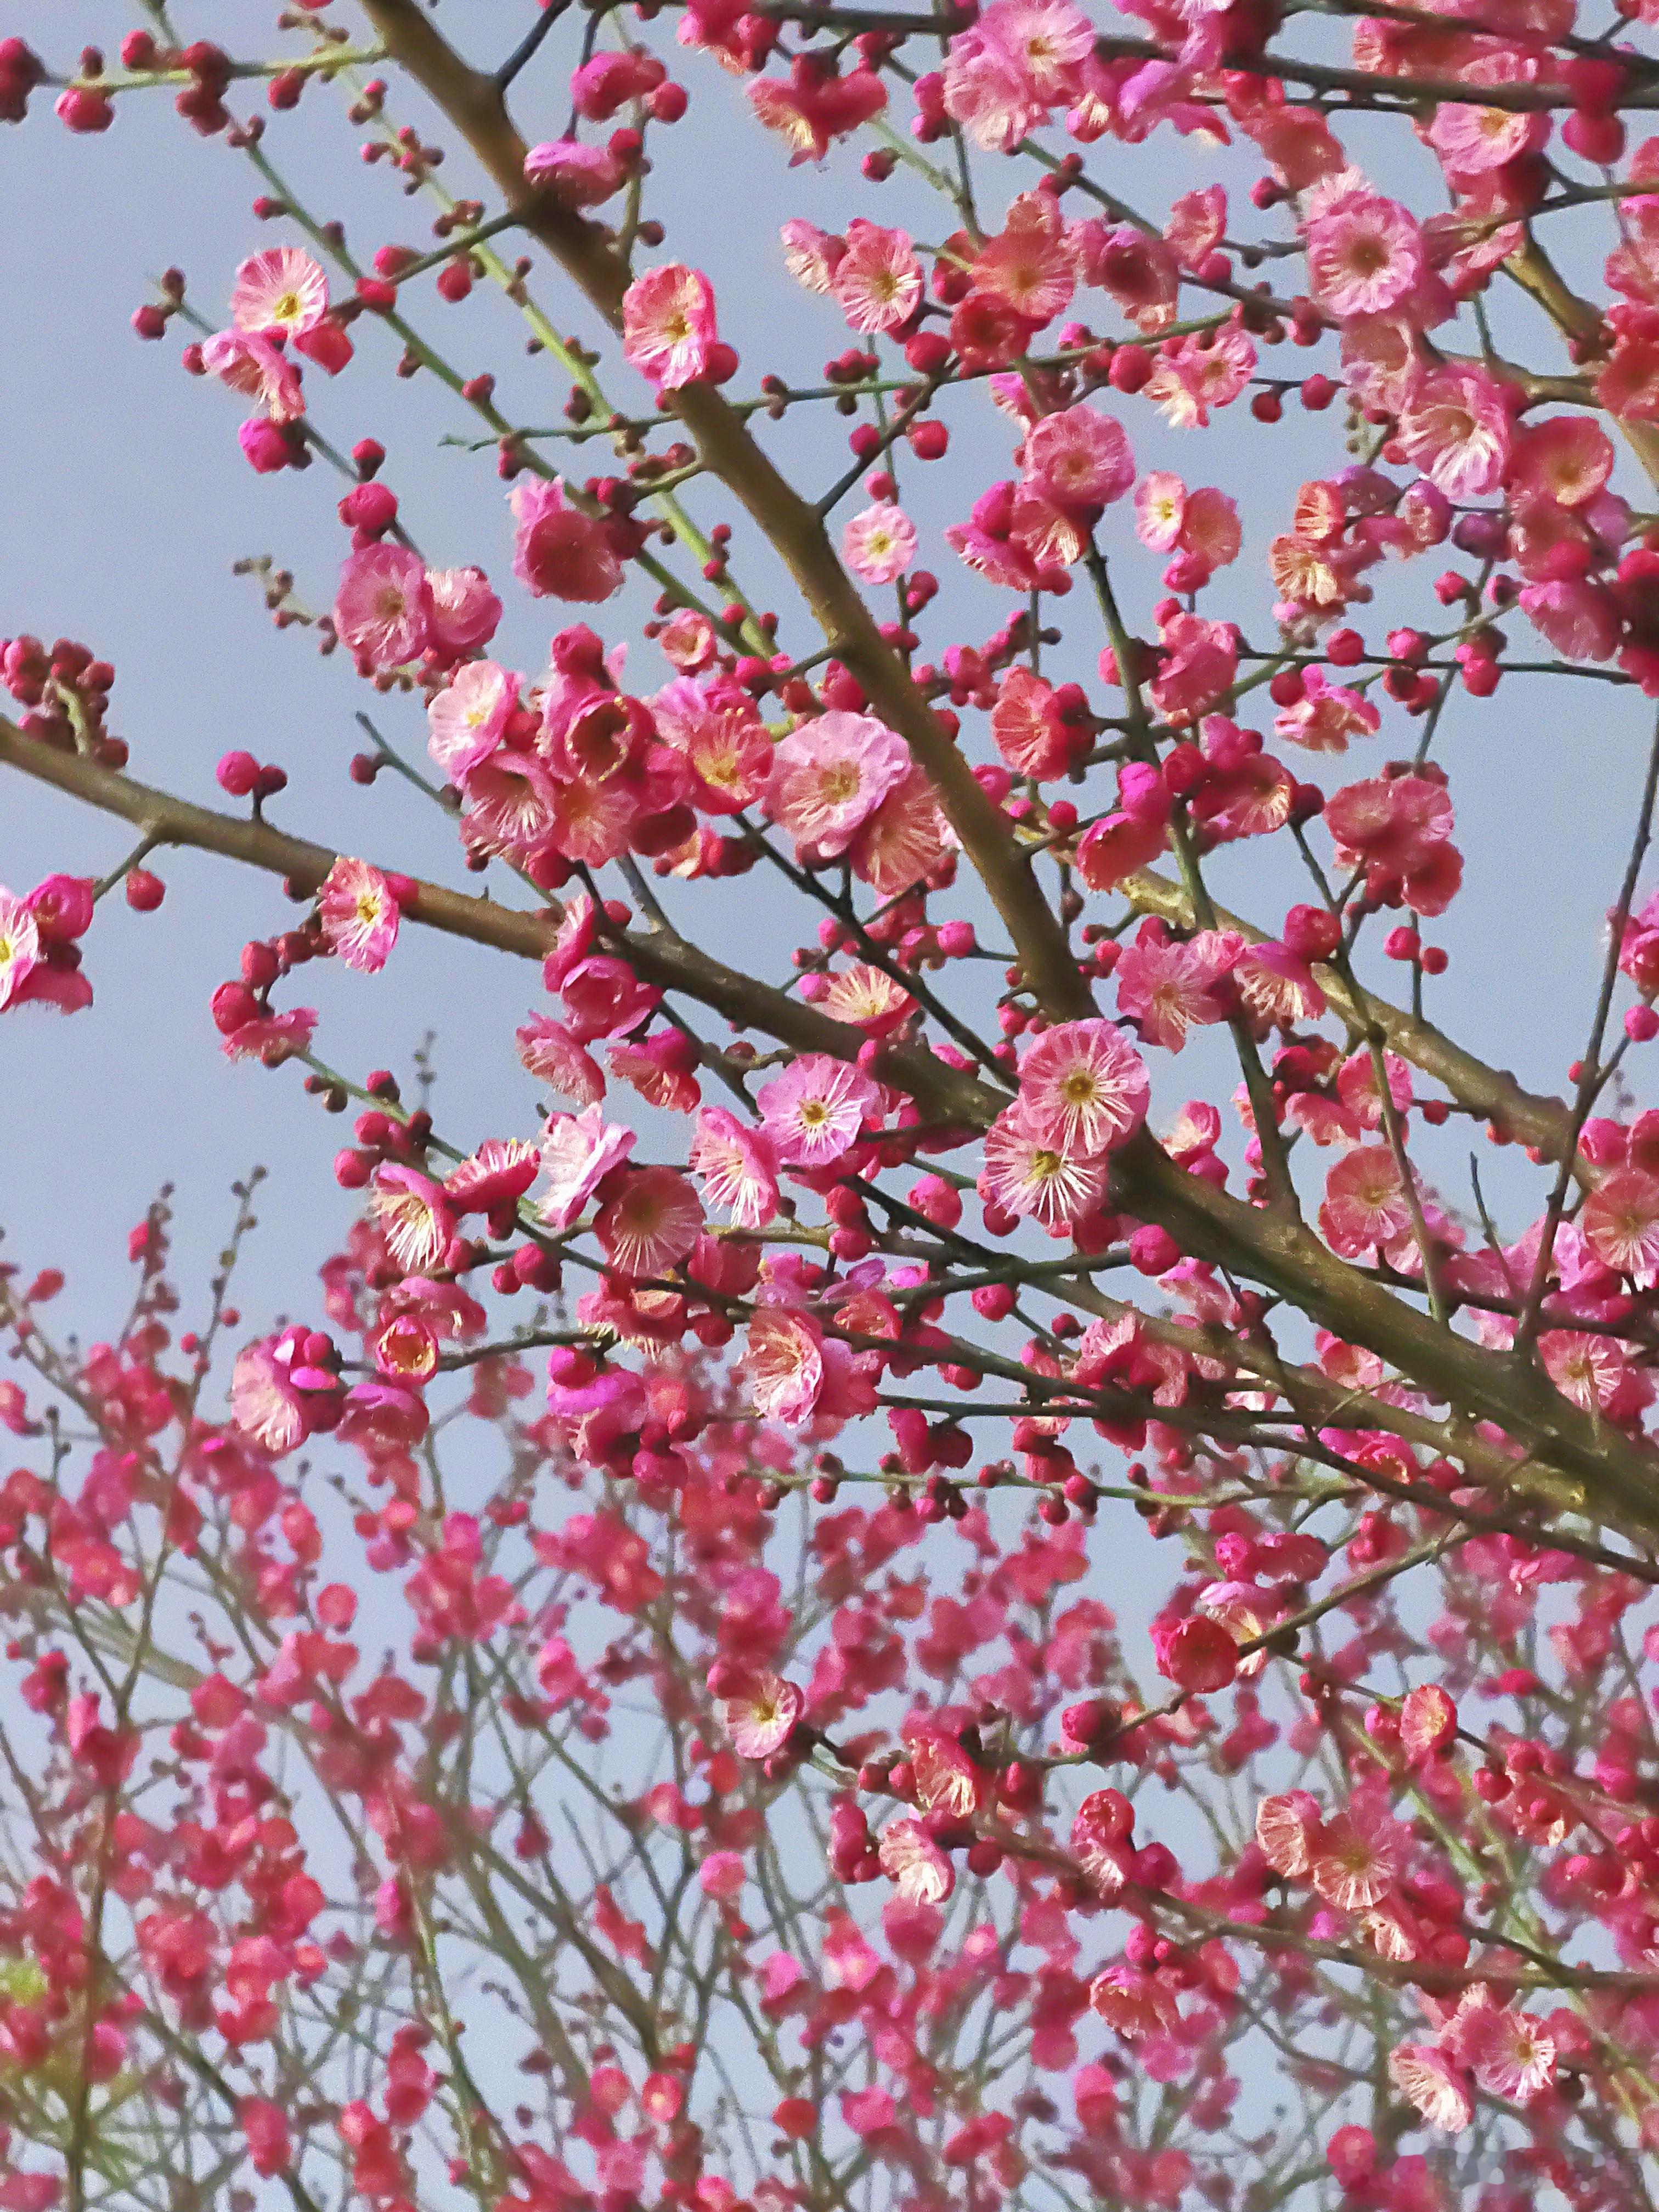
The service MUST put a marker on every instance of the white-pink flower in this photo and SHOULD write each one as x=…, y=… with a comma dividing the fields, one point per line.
x=914, y=1863
x=1026, y=1173
x=813, y=1111
x=1458, y=430
x=577, y=1151
x=360, y=914
x=281, y=289
x=1426, y=2078
x=19, y=945
x=879, y=545
x=783, y=1365
x=1084, y=1088
x=878, y=280
x=468, y=719
x=668, y=324
x=244, y=362
x=739, y=1167
x=759, y=1717
x=829, y=775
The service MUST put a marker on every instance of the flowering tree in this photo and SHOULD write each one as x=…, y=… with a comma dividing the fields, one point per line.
x=676, y=1746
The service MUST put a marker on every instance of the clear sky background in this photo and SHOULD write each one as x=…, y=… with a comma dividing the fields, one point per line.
x=127, y=501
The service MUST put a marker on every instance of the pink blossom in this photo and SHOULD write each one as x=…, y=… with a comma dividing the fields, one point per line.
x=577, y=1151
x=1364, y=255
x=1472, y=140
x=1326, y=716
x=559, y=552
x=879, y=545
x=497, y=1175
x=413, y=1215
x=246, y=362
x=1027, y=728
x=281, y=289
x=1084, y=1088
x=1026, y=1173
x=1358, y=1855
x=783, y=1365
x=738, y=1166
x=829, y=775
x=1426, y=2078
x=723, y=739
x=1399, y=829
x=1191, y=378
x=905, y=841
x=468, y=719
x=1288, y=1830
x=813, y=1111
x=1164, y=986
x=273, y=1038
x=575, y=175
x=19, y=945
x=383, y=609
x=1200, y=662
x=668, y=324
x=759, y=1714
x=878, y=279
x=1079, y=458
x=650, y=1223
x=277, y=1397
x=1365, y=1202
x=914, y=1863
x=1512, y=2053
x=465, y=612
x=360, y=914
x=1160, y=510
x=1457, y=430
x=811, y=256
x=1620, y=1224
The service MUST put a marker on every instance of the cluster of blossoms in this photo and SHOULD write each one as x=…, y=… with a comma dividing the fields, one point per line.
x=1237, y=1666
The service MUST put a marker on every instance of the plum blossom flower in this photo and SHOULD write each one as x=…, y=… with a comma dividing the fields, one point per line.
x=1326, y=716
x=575, y=174
x=577, y=1151
x=814, y=1110
x=278, y=1396
x=1359, y=1855
x=281, y=289
x=414, y=1217
x=465, y=612
x=19, y=945
x=467, y=720
x=1620, y=1224
x=810, y=255
x=498, y=1174
x=1458, y=430
x=829, y=775
x=383, y=609
x=651, y=1224
x=738, y=1166
x=913, y=1862
x=878, y=280
x=559, y=552
x=1426, y=2078
x=1079, y=458
x=1366, y=1205
x=1084, y=1087
x=1364, y=254
x=760, y=1714
x=360, y=914
x=1512, y=2054
x=879, y=545
x=1399, y=829
x=1165, y=987
x=245, y=362
x=1288, y=1830
x=1026, y=1173
x=668, y=324
x=783, y=1365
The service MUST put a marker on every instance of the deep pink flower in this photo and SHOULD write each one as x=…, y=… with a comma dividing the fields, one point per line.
x=360, y=914
x=250, y=364
x=1399, y=829
x=501, y=1171
x=1026, y=1173
x=559, y=552
x=1165, y=986
x=1079, y=458
x=575, y=174
x=651, y=1224
x=383, y=609
x=465, y=611
x=550, y=1052
x=1364, y=255
x=759, y=1714
x=668, y=324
